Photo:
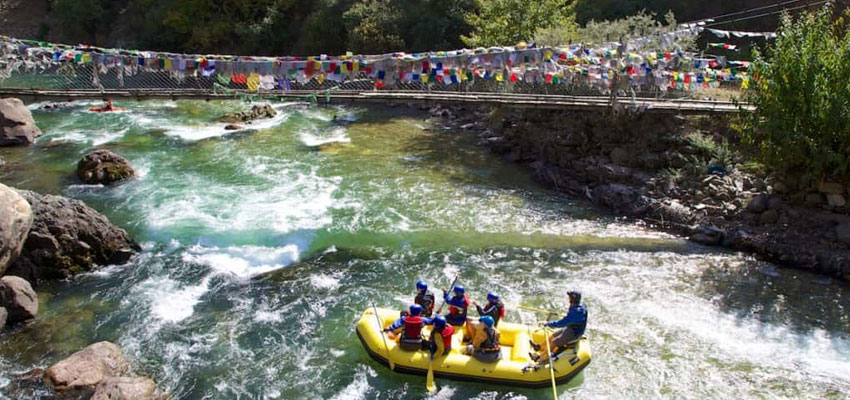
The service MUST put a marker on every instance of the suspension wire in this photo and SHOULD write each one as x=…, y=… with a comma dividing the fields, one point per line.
x=807, y=5
x=714, y=19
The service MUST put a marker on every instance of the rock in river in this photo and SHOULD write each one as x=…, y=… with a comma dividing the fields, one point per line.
x=18, y=298
x=126, y=388
x=68, y=237
x=16, y=124
x=81, y=373
x=104, y=167
x=15, y=223
x=256, y=112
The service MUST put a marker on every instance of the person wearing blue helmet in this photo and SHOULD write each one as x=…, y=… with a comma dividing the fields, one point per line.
x=411, y=334
x=572, y=328
x=441, y=336
x=494, y=308
x=458, y=305
x=424, y=298
x=484, y=345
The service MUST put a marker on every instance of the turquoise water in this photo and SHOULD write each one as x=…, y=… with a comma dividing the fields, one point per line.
x=263, y=247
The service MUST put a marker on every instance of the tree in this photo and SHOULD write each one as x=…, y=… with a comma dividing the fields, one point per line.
x=374, y=27
x=507, y=22
x=802, y=96
x=636, y=26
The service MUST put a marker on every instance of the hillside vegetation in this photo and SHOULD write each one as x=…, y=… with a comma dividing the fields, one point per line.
x=274, y=27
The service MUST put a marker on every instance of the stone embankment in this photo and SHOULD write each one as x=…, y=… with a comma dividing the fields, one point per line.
x=675, y=174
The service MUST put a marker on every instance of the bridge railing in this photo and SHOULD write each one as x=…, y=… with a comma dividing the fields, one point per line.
x=572, y=70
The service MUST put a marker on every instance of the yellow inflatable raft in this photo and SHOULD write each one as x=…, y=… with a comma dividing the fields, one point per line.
x=514, y=369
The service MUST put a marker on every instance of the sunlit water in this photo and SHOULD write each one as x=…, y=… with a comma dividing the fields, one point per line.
x=262, y=248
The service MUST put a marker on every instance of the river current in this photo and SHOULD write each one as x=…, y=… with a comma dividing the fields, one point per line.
x=262, y=248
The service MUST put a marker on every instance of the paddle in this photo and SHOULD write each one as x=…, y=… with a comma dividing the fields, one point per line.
x=439, y=310
x=383, y=336
x=429, y=379
x=549, y=357
x=544, y=312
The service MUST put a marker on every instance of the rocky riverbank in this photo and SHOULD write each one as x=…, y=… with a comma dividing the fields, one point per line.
x=677, y=174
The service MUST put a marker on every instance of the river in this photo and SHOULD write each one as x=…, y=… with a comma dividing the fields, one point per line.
x=263, y=247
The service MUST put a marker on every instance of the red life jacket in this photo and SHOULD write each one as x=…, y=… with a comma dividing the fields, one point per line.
x=412, y=327
x=447, y=333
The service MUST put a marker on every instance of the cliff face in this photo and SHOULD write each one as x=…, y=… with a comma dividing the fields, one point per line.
x=23, y=18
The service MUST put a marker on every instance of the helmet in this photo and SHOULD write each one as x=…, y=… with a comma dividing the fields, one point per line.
x=421, y=285
x=459, y=290
x=415, y=310
x=575, y=296
x=488, y=321
x=440, y=321
x=492, y=296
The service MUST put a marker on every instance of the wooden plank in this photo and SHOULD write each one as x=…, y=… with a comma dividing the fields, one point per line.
x=475, y=98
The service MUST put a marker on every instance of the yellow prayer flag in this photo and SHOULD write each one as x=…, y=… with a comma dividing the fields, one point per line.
x=320, y=78
x=253, y=82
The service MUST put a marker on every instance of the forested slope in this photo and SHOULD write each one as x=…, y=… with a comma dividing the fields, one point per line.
x=273, y=27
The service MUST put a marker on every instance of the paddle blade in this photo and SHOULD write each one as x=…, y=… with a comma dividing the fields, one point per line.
x=429, y=381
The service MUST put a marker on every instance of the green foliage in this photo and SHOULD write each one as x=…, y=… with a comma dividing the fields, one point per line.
x=802, y=95
x=707, y=149
x=81, y=19
x=507, y=22
x=374, y=27
x=639, y=25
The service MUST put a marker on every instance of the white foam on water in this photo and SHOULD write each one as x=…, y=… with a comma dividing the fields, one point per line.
x=359, y=387
x=243, y=261
x=755, y=341
x=95, y=137
x=443, y=393
x=322, y=281
x=156, y=119
x=171, y=302
x=316, y=137
x=290, y=201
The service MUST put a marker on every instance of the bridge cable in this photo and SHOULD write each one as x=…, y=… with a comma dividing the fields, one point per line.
x=817, y=3
x=715, y=18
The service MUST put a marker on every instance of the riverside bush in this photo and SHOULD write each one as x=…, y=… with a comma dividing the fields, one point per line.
x=802, y=95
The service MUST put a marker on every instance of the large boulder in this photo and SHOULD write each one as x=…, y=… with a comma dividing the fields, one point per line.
x=16, y=124
x=68, y=237
x=15, y=222
x=81, y=373
x=126, y=388
x=18, y=298
x=104, y=167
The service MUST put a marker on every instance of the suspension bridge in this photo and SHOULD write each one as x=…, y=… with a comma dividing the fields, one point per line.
x=568, y=78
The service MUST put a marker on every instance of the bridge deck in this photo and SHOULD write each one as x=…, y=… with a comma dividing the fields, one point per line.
x=542, y=101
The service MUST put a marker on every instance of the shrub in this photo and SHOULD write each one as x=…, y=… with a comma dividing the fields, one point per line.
x=507, y=22
x=802, y=95
x=639, y=25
